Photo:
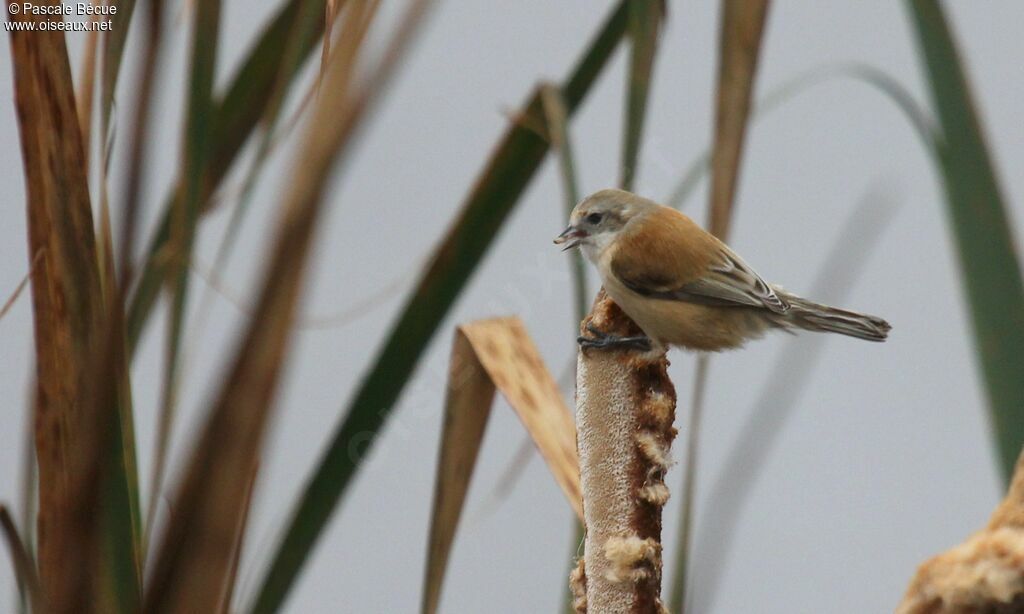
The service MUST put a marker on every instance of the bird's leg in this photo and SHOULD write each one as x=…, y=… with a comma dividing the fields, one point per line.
x=603, y=340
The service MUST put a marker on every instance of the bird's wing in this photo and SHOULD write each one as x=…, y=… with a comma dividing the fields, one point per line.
x=727, y=281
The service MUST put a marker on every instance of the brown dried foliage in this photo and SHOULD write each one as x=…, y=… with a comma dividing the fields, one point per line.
x=67, y=310
x=489, y=355
x=742, y=27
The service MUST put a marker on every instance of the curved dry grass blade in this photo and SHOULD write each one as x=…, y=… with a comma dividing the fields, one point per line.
x=786, y=382
x=356, y=310
x=513, y=164
x=740, y=45
x=340, y=319
x=21, y=285
x=989, y=263
x=645, y=20
x=24, y=567
x=488, y=354
x=858, y=72
x=191, y=567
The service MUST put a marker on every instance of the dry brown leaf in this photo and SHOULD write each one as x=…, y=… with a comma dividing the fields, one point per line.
x=740, y=43
x=470, y=394
x=66, y=309
x=513, y=363
x=489, y=354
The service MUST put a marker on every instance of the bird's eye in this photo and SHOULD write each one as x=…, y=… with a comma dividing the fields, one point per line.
x=594, y=218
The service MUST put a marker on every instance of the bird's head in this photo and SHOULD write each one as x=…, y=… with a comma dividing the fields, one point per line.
x=598, y=218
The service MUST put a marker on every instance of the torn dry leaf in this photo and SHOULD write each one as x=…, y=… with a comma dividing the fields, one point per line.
x=489, y=355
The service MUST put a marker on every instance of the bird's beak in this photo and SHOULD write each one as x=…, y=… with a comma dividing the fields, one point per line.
x=570, y=237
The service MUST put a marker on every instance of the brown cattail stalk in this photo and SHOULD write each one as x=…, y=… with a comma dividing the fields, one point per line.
x=983, y=574
x=625, y=407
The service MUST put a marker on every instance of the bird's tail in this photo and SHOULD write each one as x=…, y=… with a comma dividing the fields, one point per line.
x=804, y=314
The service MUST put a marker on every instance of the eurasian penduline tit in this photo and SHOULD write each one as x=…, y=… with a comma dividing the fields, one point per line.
x=682, y=286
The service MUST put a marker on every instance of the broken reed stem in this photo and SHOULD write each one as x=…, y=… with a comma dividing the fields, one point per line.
x=625, y=407
x=983, y=574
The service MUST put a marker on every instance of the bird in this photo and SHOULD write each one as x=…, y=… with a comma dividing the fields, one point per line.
x=683, y=286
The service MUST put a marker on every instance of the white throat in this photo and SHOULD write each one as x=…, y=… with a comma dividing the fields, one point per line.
x=594, y=245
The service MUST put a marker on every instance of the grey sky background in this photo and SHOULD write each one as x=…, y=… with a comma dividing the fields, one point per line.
x=884, y=459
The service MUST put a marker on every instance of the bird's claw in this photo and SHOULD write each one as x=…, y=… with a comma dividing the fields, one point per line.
x=604, y=341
